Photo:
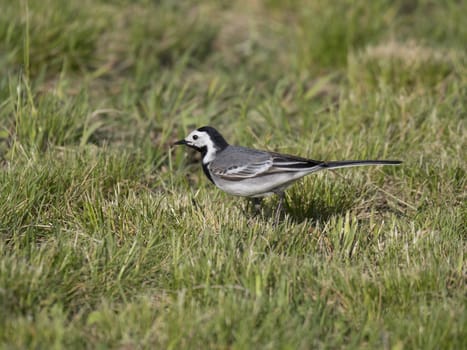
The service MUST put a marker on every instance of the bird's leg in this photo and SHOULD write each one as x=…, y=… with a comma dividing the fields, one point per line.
x=254, y=204
x=257, y=205
x=279, y=208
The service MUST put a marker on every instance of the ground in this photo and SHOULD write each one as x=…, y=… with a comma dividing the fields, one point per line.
x=110, y=238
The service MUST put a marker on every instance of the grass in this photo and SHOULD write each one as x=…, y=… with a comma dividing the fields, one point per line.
x=111, y=239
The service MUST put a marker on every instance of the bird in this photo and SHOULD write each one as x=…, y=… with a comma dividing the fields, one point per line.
x=254, y=173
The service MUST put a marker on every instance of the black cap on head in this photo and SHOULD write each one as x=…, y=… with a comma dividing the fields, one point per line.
x=216, y=137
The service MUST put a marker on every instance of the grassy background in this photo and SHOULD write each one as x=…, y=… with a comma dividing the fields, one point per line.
x=109, y=239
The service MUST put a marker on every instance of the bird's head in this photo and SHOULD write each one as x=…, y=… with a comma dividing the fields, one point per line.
x=206, y=140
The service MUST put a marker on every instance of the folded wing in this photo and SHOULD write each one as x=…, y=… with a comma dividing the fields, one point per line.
x=244, y=171
x=285, y=162
x=260, y=165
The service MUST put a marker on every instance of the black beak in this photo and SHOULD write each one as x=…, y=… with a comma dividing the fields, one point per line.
x=181, y=142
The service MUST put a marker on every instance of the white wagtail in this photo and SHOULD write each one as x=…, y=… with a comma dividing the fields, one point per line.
x=253, y=173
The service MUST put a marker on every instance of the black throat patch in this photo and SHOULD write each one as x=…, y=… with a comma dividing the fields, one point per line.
x=206, y=172
x=204, y=150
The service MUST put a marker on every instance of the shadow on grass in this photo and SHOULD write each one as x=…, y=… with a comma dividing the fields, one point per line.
x=317, y=209
x=298, y=210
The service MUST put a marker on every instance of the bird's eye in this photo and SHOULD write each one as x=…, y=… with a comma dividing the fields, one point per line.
x=195, y=137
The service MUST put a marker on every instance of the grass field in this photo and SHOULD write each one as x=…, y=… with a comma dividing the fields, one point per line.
x=110, y=239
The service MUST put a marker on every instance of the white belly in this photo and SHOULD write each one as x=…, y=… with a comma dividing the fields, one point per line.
x=259, y=186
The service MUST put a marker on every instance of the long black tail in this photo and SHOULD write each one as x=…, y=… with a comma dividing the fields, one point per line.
x=352, y=163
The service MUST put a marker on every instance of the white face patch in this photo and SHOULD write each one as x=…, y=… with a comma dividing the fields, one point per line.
x=211, y=152
x=200, y=139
